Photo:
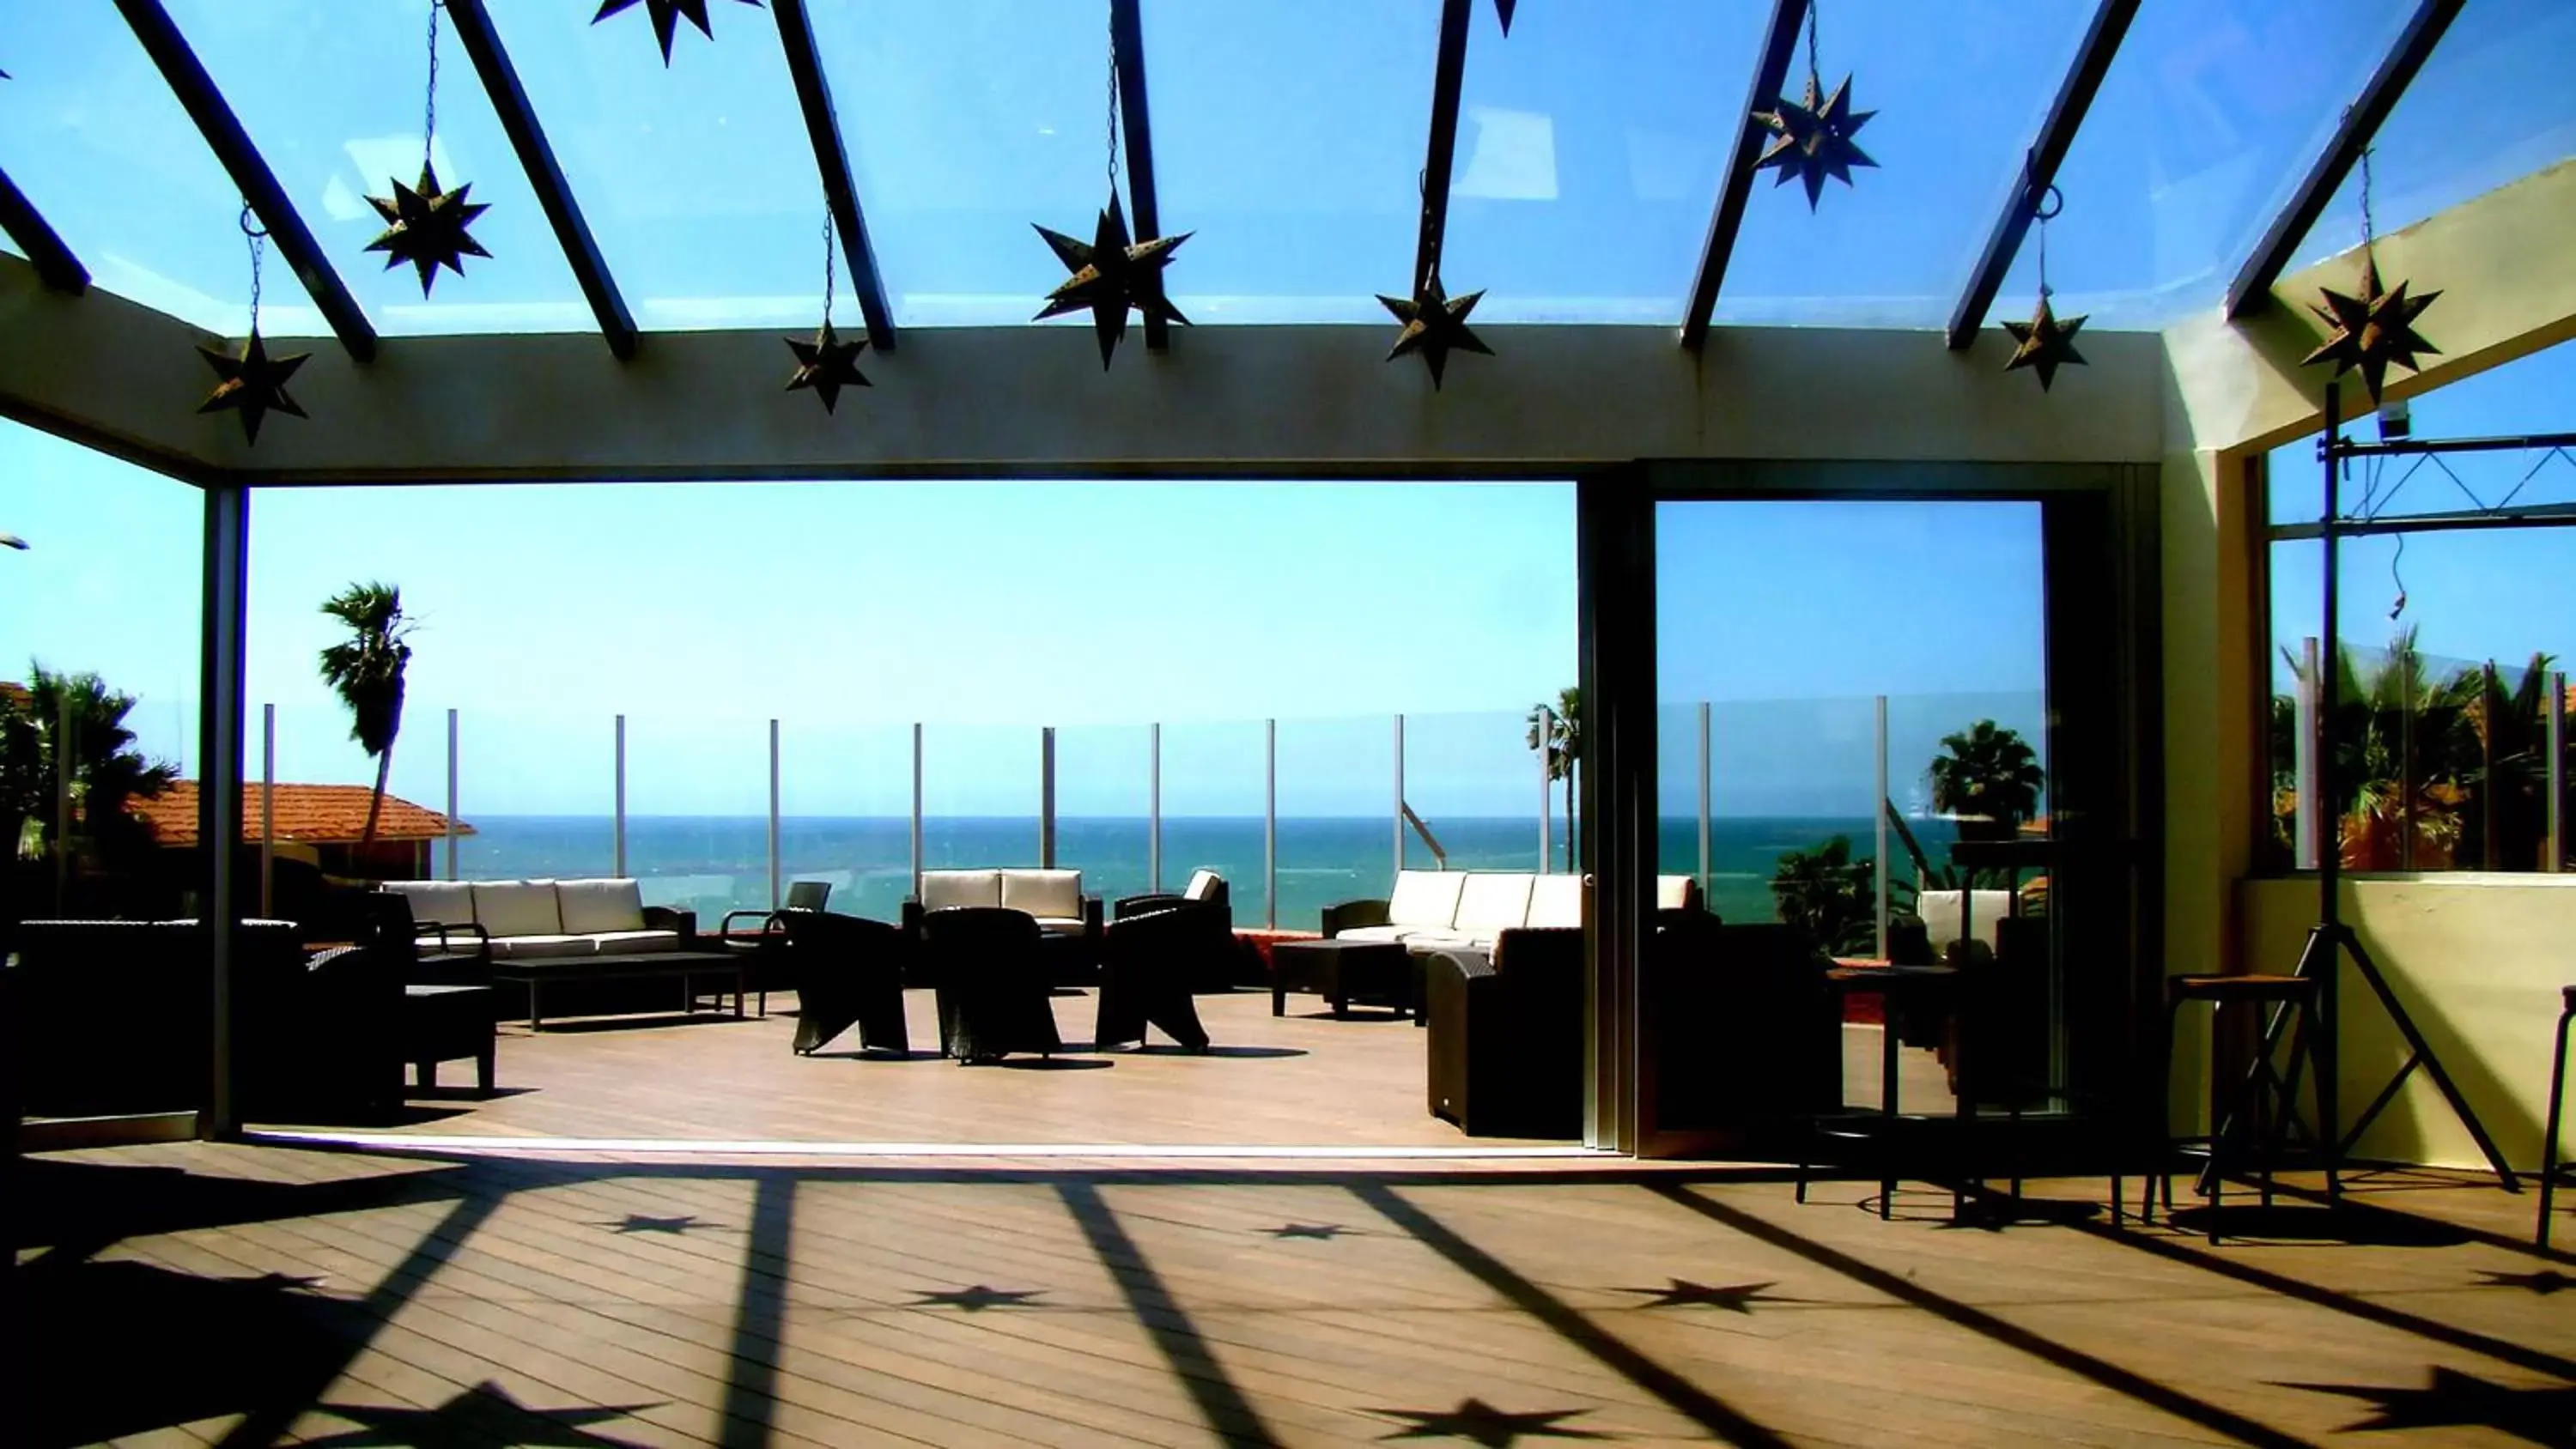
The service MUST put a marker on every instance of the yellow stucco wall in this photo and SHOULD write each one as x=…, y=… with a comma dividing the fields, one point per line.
x=2478, y=961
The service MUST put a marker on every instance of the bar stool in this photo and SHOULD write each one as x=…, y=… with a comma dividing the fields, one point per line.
x=2551, y=1168
x=2268, y=1094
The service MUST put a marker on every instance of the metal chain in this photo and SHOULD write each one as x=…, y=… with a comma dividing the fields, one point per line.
x=1813, y=77
x=429, y=108
x=258, y=239
x=830, y=269
x=2043, y=258
x=2369, y=228
x=1113, y=103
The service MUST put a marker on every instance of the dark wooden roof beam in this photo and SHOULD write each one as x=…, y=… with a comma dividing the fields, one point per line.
x=1136, y=119
x=1735, y=187
x=55, y=265
x=832, y=159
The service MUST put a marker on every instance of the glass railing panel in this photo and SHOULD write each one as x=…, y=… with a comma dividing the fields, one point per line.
x=1680, y=760
x=1103, y=790
x=1474, y=781
x=845, y=813
x=1214, y=795
x=1791, y=813
x=697, y=812
x=980, y=795
x=1336, y=815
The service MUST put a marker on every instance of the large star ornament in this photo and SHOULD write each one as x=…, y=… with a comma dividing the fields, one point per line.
x=1435, y=325
x=666, y=15
x=426, y=227
x=1482, y=1422
x=2371, y=330
x=253, y=385
x=1812, y=141
x=1110, y=275
x=826, y=365
x=2044, y=342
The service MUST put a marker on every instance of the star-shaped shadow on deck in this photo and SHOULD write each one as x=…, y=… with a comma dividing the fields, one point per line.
x=2542, y=1415
x=639, y=1223
x=1494, y=1428
x=977, y=1298
x=281, y=1282
x=1320, y=1232
x=479, y=1415
x=1735, y=1298
x=2545, y=1282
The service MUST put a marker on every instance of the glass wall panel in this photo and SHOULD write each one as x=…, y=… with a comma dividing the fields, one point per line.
x=845, y=793
x=697, y=812
x=1473, y=780
x=979, y=795
x=1213, y=798
x=1337, y=816
x=1103, y=785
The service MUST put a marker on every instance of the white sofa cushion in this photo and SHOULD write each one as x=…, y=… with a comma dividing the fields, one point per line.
x=1491, y=901
x=1043, y=893
x=1940, y=913
x=1203, y=885
x=517, y=908
x=1061, y=925
x=542, y=947
x=592, y=906
x=1674, y=892
x=634, y=943
x=1556, y=900
x=1424, y=899
x=443, y=902
x=942, y=889
x=1378, y=935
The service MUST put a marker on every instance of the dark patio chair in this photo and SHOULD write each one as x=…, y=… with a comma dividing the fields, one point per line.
x=1148, y=963
x=449, y=1004
x=1507, y=1047
x=849, y=972
x=1226, y=962
x=772, y=967
x=990, y=966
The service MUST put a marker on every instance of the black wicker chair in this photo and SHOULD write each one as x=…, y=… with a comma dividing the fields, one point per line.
x=449, y=1003
x=989, y=963
x=849, y=972
x=771, y=966
x=1507, y=1049
x=1149, y=961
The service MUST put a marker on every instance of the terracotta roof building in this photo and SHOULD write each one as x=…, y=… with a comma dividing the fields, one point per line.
x=307, y=814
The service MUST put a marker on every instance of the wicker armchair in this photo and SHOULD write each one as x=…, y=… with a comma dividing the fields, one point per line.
x=449, y=1004
x=1506, y=1029
x=990, y=966
x=1149, y=961
x=850, y=973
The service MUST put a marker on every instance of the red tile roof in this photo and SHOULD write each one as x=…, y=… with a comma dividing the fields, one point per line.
x=313, y=814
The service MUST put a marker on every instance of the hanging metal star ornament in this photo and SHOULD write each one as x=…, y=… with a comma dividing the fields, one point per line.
x=2371, y=330
x=827, y=364
x=254, y=384
x=1813, y=141
x=1503, y=13
x=1435, y=325
x=1111, y=275
x=2043, y=343
x=424, y=225
x=666, y=16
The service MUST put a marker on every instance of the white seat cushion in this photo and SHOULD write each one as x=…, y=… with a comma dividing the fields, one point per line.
x=1556, y=900
x=1447, y=941
x=592, y=906
x=545, y=947
x=442, y=902
x=1203, y=885
x=941, y=889
x=1424, y=899
x=1381, y=935
x=1674, y=892
x=1491, y=901
x=517, y=908
x=1043, y=893
x=1940, y=913
x=1061, y=925
x=630, y=943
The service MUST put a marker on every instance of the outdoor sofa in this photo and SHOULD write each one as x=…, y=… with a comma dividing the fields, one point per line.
x=1437, y=910
x=1053, y=898
x=528, y=920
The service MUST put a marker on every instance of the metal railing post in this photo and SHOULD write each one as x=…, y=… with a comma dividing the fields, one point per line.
x=1046, y=797
x=774, y=896
x=1270, y=824
x=451, y=794
x=1154, y=808
x=268, y=811
x=1878, y=816
x=2557, y=773
x=2309, y=826
x=916, y=811
x=1399, y=792
x=620, y=830
x=1704, y=782
x=1545, y=721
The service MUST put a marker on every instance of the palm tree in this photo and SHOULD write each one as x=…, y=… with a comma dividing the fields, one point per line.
x=366, y=671
x=1558, y=730
x=1831, y=898
x=1989, y=773
x=106, y=771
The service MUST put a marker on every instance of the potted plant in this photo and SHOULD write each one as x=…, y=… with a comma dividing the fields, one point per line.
x=1987, y=778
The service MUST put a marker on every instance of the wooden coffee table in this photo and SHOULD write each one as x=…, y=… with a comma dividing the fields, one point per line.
x=630, y=966
x=1340, y=970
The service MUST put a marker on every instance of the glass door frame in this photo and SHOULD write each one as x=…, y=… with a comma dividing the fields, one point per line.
x=2104, y=712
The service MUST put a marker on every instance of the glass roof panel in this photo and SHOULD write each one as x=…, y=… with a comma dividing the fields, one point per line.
x=2209, y=117
x=332, y=98
x=697, y=179
x=1959, y=90
x=1588, y=158
x=968, y=121
x=92, y=135
x=1290, y=137
x=2492, y=104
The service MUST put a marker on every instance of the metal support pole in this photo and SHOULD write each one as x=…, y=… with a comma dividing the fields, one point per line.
x=620, y=828
x=1154, y=808
x=2306, y=832
x=451, y=794
x=1046, y=797
x=1705, y=771
x=774, y=896
x=1878, y=815
x=1270, y=823
x=221, y=650
x=2557, y=735
x=1546, y=721
x=267, y=811
x=916, y=811
x=1399, y=792
x=66, y=750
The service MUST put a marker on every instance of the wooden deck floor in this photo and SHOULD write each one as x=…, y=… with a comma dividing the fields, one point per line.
x=242, y=1294
x=1299, y=1080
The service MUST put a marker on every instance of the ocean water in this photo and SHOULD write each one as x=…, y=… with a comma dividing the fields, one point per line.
x=718, y=863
